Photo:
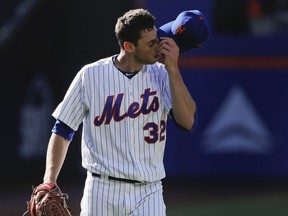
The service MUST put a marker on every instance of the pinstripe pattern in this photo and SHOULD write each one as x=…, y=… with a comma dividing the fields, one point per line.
x=124, y=121
x=106, y=198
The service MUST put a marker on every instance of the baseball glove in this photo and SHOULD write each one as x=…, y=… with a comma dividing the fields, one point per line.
x=52, y=203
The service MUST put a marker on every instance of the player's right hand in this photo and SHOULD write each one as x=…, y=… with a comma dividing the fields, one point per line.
x=168, y=52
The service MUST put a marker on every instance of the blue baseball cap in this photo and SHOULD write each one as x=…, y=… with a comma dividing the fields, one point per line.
x=190, y=30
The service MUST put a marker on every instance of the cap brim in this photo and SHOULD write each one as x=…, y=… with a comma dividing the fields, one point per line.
x=165, y=30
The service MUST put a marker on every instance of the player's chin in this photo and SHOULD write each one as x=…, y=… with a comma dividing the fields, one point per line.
x=156, y=57
x=152, y=60
x=160, y=58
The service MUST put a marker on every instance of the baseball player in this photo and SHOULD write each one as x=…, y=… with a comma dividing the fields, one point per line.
x=123, y=102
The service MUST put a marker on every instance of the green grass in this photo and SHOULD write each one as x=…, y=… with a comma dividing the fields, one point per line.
x=268, y=206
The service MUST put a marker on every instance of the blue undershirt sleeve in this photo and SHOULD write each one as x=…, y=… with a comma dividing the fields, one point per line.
x=63, y=130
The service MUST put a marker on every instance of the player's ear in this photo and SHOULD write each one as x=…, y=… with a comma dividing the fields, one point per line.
x=128, y=46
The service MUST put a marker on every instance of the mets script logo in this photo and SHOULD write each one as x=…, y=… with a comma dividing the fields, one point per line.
x=150, y=103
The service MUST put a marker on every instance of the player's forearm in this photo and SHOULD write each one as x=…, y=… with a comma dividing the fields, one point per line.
x=184, y=107
x=56, y=153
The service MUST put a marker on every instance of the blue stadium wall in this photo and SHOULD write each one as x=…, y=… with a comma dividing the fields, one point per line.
x=239, y=80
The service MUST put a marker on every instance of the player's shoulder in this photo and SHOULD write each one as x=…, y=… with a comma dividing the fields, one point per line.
x=98, y=63
x=156, y=67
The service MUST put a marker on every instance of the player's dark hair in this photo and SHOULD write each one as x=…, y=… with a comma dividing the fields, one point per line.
x=131, y=24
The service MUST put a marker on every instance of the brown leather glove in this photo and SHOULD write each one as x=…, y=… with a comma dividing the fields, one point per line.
x=48, y=200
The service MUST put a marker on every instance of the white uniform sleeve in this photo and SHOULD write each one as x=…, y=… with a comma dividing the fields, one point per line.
x=72, y=108
x=166, y=89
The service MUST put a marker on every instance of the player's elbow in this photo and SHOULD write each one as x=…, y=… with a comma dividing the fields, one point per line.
x=189, y=123
x=186, y=124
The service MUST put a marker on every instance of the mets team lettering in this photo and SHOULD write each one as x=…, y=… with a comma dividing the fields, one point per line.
x=113, y=110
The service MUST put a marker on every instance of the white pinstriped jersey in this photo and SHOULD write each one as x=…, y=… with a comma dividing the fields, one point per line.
x=124, y=120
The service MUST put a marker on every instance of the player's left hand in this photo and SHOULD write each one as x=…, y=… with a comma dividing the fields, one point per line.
x=51, y=202
x=168, y=52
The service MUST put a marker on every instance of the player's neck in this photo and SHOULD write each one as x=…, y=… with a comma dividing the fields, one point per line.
x=127, y=64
